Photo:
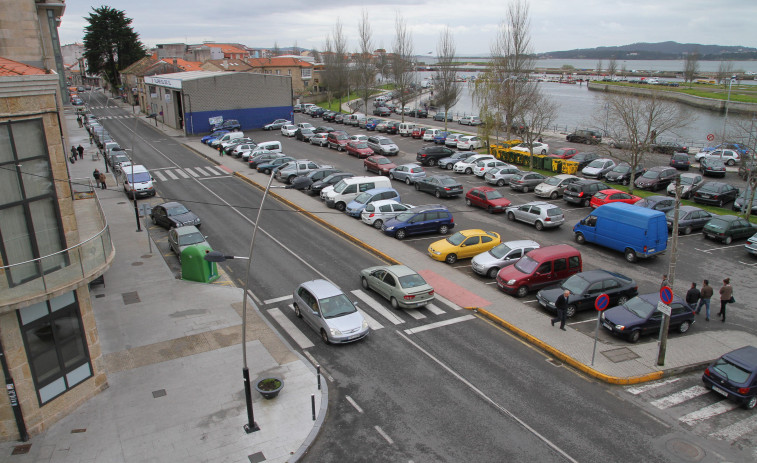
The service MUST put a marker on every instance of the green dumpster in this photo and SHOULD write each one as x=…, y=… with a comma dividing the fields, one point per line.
x=194, y=267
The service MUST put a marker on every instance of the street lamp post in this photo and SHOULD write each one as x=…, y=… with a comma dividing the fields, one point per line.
x=725, y=121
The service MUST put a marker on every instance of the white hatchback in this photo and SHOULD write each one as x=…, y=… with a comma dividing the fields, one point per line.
x=467, y=166
x=378, y=212
x=288, y=130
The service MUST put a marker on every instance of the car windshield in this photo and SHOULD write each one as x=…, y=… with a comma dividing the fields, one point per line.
x=342, y=137
x=363, y=198
x=490, y=195
x=139, y=177
x=177, y=210
x=640, y=307
x=554, y=211
x=385, y=142
x=554, y=181
x=383, y=161
x=734, y=373
x=412, y=281
x=526, y=265
x=339, y=187
x=500, y=250
x=306, y=131
x=622, y=169
x=360, y=146
x=448, y=181
x=718, y=224
x=687, y=180
x=576, y=284
x=336, y=306
x=596, y=163
x=191, y=238
x=456, y=239
x=651, y=174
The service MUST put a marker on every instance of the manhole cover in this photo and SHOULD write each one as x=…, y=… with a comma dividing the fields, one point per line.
x=130, y=297
x=136, y=264
x=122, y=202
x=76, y=431
x=146, y=256
x=620, y=355
x=158, y=393
x=21, y=449
x=685, y=450
x=256, y=457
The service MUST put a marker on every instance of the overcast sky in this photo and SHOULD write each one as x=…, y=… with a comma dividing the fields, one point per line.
x=555, y=24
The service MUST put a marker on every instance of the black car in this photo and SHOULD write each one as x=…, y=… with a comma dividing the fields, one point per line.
x=382, y=111
x=742, y=202
x=713, y=167
x=584, y=288
x=231, y=124
x=324, y=129
x=726, y=228
x=680, y=161
x=430, y=155
x=440, y=186
x=418, y=113
x=734, y=376
x=173, y=214
x=640, y=316
x=590, y=137
x=304, y=134
x=317, y=112
x=584, y=159
x=393, y=128
x=333, y=179
x=669, y=147
x=339, y=118
x=581, y=191
x=657, y=203
x=329, y=116
x=304, y=182
x=715, y=193
x=690, y=218
x=622, y=173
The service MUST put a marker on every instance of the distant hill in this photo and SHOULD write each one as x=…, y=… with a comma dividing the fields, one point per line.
x=661, y=50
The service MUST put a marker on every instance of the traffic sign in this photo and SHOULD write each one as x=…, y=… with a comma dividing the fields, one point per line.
x=664, y=308
x=710, y=137
x=602, y=301
x=666, y=294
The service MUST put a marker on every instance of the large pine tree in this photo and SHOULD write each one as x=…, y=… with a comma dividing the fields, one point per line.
x=110, y=44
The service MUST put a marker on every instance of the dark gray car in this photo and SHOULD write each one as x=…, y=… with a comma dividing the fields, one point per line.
x=690, y=218
x=526, y=181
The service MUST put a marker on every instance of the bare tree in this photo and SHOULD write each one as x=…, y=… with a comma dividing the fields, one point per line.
x=446, y=87
x=402, y=61
x=638, y=121
x=335, y=63
x=725, y=71
x=744, y=132
x=365, y=71
x=276, y=51
x=612, y=67
x=599, y=67
x=537, y=117
x=316, y=55
x=690, y=67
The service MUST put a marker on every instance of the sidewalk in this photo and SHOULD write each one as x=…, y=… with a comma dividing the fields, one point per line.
x=173, y=359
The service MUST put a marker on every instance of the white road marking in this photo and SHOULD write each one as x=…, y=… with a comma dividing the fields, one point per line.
x=636, y=390
x=447, y=302
x=172, y=175
x=415, y=314
x=159, y=175
x=720, y=248
x=384, y=435
x=738, y=429
x=181, y=173
x=354, y=404
x=378, y=307
x=709, y=411
x=277, y=299
x=431, y=326
x=435, y=310
x=680, y=397
x=289, y=327
x=371, y=321
x=202, y=172
x=191, y=172
x=213, y=171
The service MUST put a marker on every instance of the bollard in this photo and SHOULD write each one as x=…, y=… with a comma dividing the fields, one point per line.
x=312, y=404
x=318, y=375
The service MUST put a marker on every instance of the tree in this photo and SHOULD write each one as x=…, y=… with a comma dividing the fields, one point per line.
x=690, y=67
x=275, y=51
x=446, y=87
x=335, y=72
x=725, y=71
x=402, y=61
x=316, y=55
x=383, y=66
x=744, y=132
x=365, y=71
x=638, y=121
x=612, y=67
x=110, y=44
x=538, y=116
x=599, y=67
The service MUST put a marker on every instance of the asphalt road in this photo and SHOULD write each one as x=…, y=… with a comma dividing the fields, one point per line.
x=461, y=389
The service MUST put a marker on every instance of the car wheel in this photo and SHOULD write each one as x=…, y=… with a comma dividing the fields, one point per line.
x=570, y=311
x=687, y=231
x=467, y=202
x=377, y=224
x=268, y=171
x=400, y=234
x=449, y=166
x=417, y=187
x=727, y=240
x=539, y=226
x=500, y=182
x=522, y=291
x=365, y=166
x=443, y=229
x=525, y=189
x=622, y=300
x=510, y=216
x=721, y=203
x=341, y=206
x=468, y=171
x=624, y=182
x=543, y=151
x=297, y=312
x=553, y=195
x=325, y=337
x=364, y=282
x=391, y=176
x=395, y=304
x=731, y=162
x=634, y=336
x=751, y=403
x=630, y=255
x=580, y=238
x=586, y=202
x=438, y=194
x=684, y=327
x=431, y=162
x=451, y=258
x=490, y=210
x=407, y=180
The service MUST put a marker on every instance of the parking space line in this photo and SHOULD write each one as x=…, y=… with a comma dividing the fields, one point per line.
x=289, y=327
x=378, y=307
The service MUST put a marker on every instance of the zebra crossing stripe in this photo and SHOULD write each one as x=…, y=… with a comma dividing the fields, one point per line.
x=159, y=175
x=446, y=302
x=191, y=172
x=372, y=323
x=736, y=430
x=213, y=171
x=709, y=411
x=636, y=390
x=289, y=327
x=435, y=310
x=172, y=175
x=431, y=326
x=182, y=174
x=680, y=397
x=278, y=299
x=378, y=307
x=202, y=172
x=415, y=314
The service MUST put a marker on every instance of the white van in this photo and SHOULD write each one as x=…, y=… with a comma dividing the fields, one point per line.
x=429, y=134
x=381, y=99
x=347, y=189
x=354, y=119
x=406, y=129
x=226, y=138
x=137, y=181
x=273, y=146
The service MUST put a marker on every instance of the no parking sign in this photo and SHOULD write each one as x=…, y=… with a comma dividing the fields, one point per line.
x=710, y=137
x=603, y=300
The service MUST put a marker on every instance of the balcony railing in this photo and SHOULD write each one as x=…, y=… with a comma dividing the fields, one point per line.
x=35, y=280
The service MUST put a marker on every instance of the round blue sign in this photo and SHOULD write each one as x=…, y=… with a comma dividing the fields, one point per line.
x=666, y=294
x=602, y=301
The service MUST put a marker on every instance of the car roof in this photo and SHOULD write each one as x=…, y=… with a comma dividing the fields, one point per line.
x=322, y=289
x=557, y=250
x=726, y=218
x=521, y=243
x=427, y=207
x=600, y=274
x=744, y=356
x=400, y=270
x=186, y=230
x=482, y=188
x=170, y=204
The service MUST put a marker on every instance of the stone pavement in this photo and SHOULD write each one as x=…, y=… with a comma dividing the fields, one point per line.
x=173, y=359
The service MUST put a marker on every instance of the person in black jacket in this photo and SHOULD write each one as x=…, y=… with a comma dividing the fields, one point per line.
x=561, y=304
x=692, y=295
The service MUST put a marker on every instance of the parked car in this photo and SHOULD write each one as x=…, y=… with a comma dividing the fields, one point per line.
x=430, y=134
x=378, y=212
x=584, y=288
x=214, y=135
x=429, y=155
x=378, y=164
x=526, y=181
x=485, y=165
x=540, y=214
x=383, y=145
x=449, y=162
x=418, y=112
x=288, y=130
x=621, y=173
x=563, y=153
x=639, y=316
x=590, y=137
x=418, y=132
x=689, y=184
x=657, y=203
x=442, y=116
x=741, y=203
x=355, y=207
x=486, y=198
x=469, y=142
x=358, y=149
x=462, y=245
x=268, y=166
x=294, y=169
x=489, y=263
x=734, y=376
x=539, y=268
x=440, y=137
x=229, y=124
x=330, y=180
x=182, y=237
x=669, y=147
x=327, y=129
x=382, y=111
x=680, y=161
x=407, y=173
x=690, y=218
x=730, y=157
x=304, y=134
x=598, y=168
x=726, y=228
x=712, y=167
x=501, y=176
x=319, y=139
x=581, y=191
x=467, y=165
x=371, y=124
x=656, y=178
x=432, y=218
x=338, y=139
x=611, y=195
x=525, y=147
x=715, y=193
x=740, y=148
x=583, y=159
x=451, y=140
x=399, y=284
x=329, y=312
x=553, y=187
x=469, y=120
x=173, y=214
x=440, y=186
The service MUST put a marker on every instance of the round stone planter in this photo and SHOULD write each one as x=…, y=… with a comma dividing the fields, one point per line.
x=269, y=387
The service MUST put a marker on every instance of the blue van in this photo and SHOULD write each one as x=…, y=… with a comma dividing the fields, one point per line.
x=355, y=207
x=635, y=231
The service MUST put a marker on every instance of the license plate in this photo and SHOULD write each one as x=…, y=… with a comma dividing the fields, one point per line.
x=720, y=391
x=607, y=325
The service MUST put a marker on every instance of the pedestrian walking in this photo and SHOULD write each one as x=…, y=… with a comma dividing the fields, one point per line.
x=665, y=281
x=78, y=119
x=96, y=176
x=90, y=139
x=704, y=299
x=80, y=150
x=726, y=296
x=692, y=295
x=73, y=155
x=561, y=304
x=103, y=185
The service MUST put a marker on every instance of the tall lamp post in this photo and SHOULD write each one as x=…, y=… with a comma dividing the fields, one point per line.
x=725, y=121
x=215, y=256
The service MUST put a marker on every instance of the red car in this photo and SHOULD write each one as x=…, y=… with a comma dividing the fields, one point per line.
x=612, y=196
x=379, y=164
x=563, y=153
x=359, y=149
x=418, y=132
x=487, y=198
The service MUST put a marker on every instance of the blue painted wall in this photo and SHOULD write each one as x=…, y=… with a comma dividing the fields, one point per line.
x=250, y=118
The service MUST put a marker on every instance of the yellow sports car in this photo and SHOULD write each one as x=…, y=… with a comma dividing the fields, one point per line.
x=463, y=244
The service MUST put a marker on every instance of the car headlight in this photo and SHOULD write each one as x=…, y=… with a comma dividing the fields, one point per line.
x=510, y=282
x=364, y=326
x=390, y=228
x=620, y=327
x=551, y=304
x=335, y=332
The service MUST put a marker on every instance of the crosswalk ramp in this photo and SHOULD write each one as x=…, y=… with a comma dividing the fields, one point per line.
x=376, y=313
x=686, y=400
x=179, y=173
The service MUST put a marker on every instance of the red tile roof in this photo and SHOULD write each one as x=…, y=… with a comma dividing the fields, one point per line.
x=226, y=48
x=278, y=62
x=184, y=64
x=10, y=68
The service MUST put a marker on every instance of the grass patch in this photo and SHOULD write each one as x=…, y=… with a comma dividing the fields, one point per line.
x=740, y=93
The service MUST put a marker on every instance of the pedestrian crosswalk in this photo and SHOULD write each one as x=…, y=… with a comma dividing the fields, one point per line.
x=178, y=173
x=687, y=401
x=103, y=107
x=376, y=314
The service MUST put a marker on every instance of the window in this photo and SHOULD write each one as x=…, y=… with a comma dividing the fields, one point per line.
x=560, y=265
x=55, y=345
x=544, y=268
x=574, y=262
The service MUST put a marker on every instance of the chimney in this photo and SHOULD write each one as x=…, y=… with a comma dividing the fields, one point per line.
x=225, y=63
x=175, y=63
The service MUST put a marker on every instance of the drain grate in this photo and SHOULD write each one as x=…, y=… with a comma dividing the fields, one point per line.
x=158, y=393
x=22, y=449
x=620, y=355
x=256, y=457
x=77, y=431
x=131, y=297
x=136, y=264
x=98, y=296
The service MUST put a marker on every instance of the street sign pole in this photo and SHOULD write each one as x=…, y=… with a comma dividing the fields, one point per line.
x=666, y=296
x=600, y=303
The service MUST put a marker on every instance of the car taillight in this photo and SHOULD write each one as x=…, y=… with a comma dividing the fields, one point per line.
x=431, y=293
x=409, y=297
x=371, y=215
x=707, y=372
x=743, y=390
x=548, y=219
x=447, y=188
x=581, y=194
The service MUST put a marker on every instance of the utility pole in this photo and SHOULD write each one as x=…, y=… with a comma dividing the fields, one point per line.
x=671, y=274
